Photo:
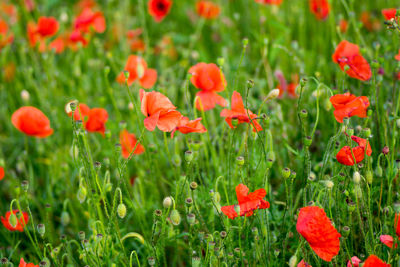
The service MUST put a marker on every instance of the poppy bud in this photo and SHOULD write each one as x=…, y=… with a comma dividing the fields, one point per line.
x=189, y=202
x=271, y=155
x=167, y=202
x=346, y=231
x=25, y=95
x=220, y=61
x=97, y=165
x=176, y=160
x=346, y=121
x=121, y=210
x=81, y=195
x=245, y=42
x=273, y=94
x=378, y=171
x=191, y=218
x=108, y=187
x=286, y=173
x=303, y=82
x=327, y=104
x=99, y=237
x=312, y=177
x=292, y=174
x=41, y=229
x=188, y=156
x=351, y=206
x=126, y=75
x=151, y=261
x=293, y=261
x=217, y=197
x=81, y=235
x=193, y=185
x=375, y=64
x=240, y=161
x=303, y=113
x=12, y=220
x=25, y=185
x=350, y=131
x=385, y=150
x=367, y=132
x=250, y=84
x=307, y=141
x=356, y=177
x=329, y=184
x=198, y=144
x=237, y=209
x=196, y=262
x=175, y=217
x=398, y=123
x=269, y=163
x=369, y=177
x=65, y=219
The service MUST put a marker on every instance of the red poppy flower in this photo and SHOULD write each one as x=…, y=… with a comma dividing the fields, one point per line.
x=46, y=27
x=270, y=2
x=137, y=68
x=387, y=240
x=345, y=155
x=239, y=113
x=22, y=263
x=348, y=105
x=348, y=54
x=128, y=142
x=397, y=57
x=32, y=122
x=343, y=25
x=302, y=263
x=209, y=79
x=320, y=8
x=207, y=9
x=158, y=9
x=159, y=111
x=186, y=126
x=354, y=262
x=76, y=37
x=374, y=261
x=1, y=173
x=20, y=222
x=88, y=19
x=5, y=37
x=317, y=229
x=389, y=13
x=247, y=202
x=93, y=119
x=58, y=45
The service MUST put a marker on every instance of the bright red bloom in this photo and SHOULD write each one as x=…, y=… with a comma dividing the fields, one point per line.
x=397, y=224
x=210, y=80
x=31, y=121
x=1, y=173
x=22, y=263
x=93, y=119
x=354, y=262
x=374, y=261
x=137, y=68
x=128, y=142
x=345, y=155
x=343, y=25
x=387, y=240
x=159, y=111
x=21, y=222
x=302, y=263
x=397, y=57
x=239, y=113
x=270, y=2
x=158, y=9
x=58, y=45
x=389, y=13
x=186, y=126
x=88, y=19
x=348, y=105
x=5, y=37
x=45, y=28
x=317, y=229
x=320, y=8
x=247, y=202
x=348, y=54
x=207, y=9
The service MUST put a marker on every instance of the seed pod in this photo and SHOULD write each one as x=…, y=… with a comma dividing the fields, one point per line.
x=188, y=156
x=303, y=114
x=81, y=195
x=65, y=219
x=191, y=218
x=293, y=261
x=193, y=185
x=286, y=173
x=217, y=197
x=369, y=177
x=41, y=229
x=175, y=217
x=240, y=161
x=121, y=210
x=307, y=141
x=346, y=231
x=81, y=235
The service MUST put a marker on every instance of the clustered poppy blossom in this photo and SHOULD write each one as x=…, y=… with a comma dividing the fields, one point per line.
x=158, y=9
x=317, y=229
x=348, y=56
x=93, y=119
x=89, y=20
x=135, y=42
x=374, y=261
x=128, y=142
x=209, y=79
x=5, y=36
x=20, y=222
x=270, y=2
x=320, y=8
x=239, y=113
x=348, y=105
x=31, y=121
x=186, y=126
x=389, y=13
x=345, y=154
x=2, y=173
x=248, y=202
x=137, y=68
x=387, y=239
x=207, y=9
x=22, y=263
x=159, y=111
x=354, y=262
x=46, y=27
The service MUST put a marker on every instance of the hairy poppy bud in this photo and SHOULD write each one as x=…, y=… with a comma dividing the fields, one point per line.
x=369, y=177
x=188, y=156
x=273, y=94
x=356, y=177
x=25, y=185
x=329, y=184
x=193, y=185
x=346, y=231
x=151, y=261
x=81, y=235
x=65, y=219
x=12, y=220
x=217, y=197
x=240, y=161
x=367, y=132
x=271, y=155
x=378, y=171
x=176, y=160
x=41, y=229
x=307, y=141
x=175, y=217
x=191, y=218
x=303, y=113
x=286, y=173
x=350, y=131
x=220, y=61
x=398, y=123
x=293, y=261
x=121, y=210
x=303, y=82
x=81, y=195
x=250, y=84
x=211, y=192
x=167, y=202
x=351, y=206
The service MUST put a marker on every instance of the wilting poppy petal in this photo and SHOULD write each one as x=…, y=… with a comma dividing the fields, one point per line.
x=387, y=240
x=149, y=78
x=128, y=142
x=158, y=9
x=316, y=228
x=20, y=222
x=32, y=122
x=374, y=261
x=207, y=100
x=185, y=126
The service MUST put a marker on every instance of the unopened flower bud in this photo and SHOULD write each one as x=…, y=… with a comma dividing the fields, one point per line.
x=217, y=197
x=25, y=95
x=220, y=61
x=176, y=160
x=369, y=177
x=175, y=217
x=329, y=184
x=196, y=262
x=121, y=210
x=81, y=194
x=25, y=185
x=293, y=261
x=385, y=150
x=41, y=229
x=378, y=171
x=273, y=94
x=81, y=235
x=356, y=177
x=65, y=219
x=12, y=220
x=167, y=202
x=346, y=231
x=250, y=84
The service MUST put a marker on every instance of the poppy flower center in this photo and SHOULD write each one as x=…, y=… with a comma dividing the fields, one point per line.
x=161, y=6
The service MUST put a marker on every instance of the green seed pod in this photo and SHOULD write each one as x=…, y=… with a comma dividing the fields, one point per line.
x=175, y=217
x=369, y=177
x=189, y=202
x=303, y=114
x=121, y=210
x=81, y=235
x=191, y=218
x=108, y=187
x=217, y=197
x=307, y=141
x=346, y=231
x=351, y=207
x=65, y=219
x=240, y=161
x=367, y=132
x=196, y=262
x=176, y=160
x=151, y=261
x=286, y=173
x=378, y=171
x=220, y=61
x=41, y=229
x=350, y=131
x=188, y=156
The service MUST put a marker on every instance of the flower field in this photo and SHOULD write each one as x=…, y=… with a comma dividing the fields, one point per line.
x=200, y=133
